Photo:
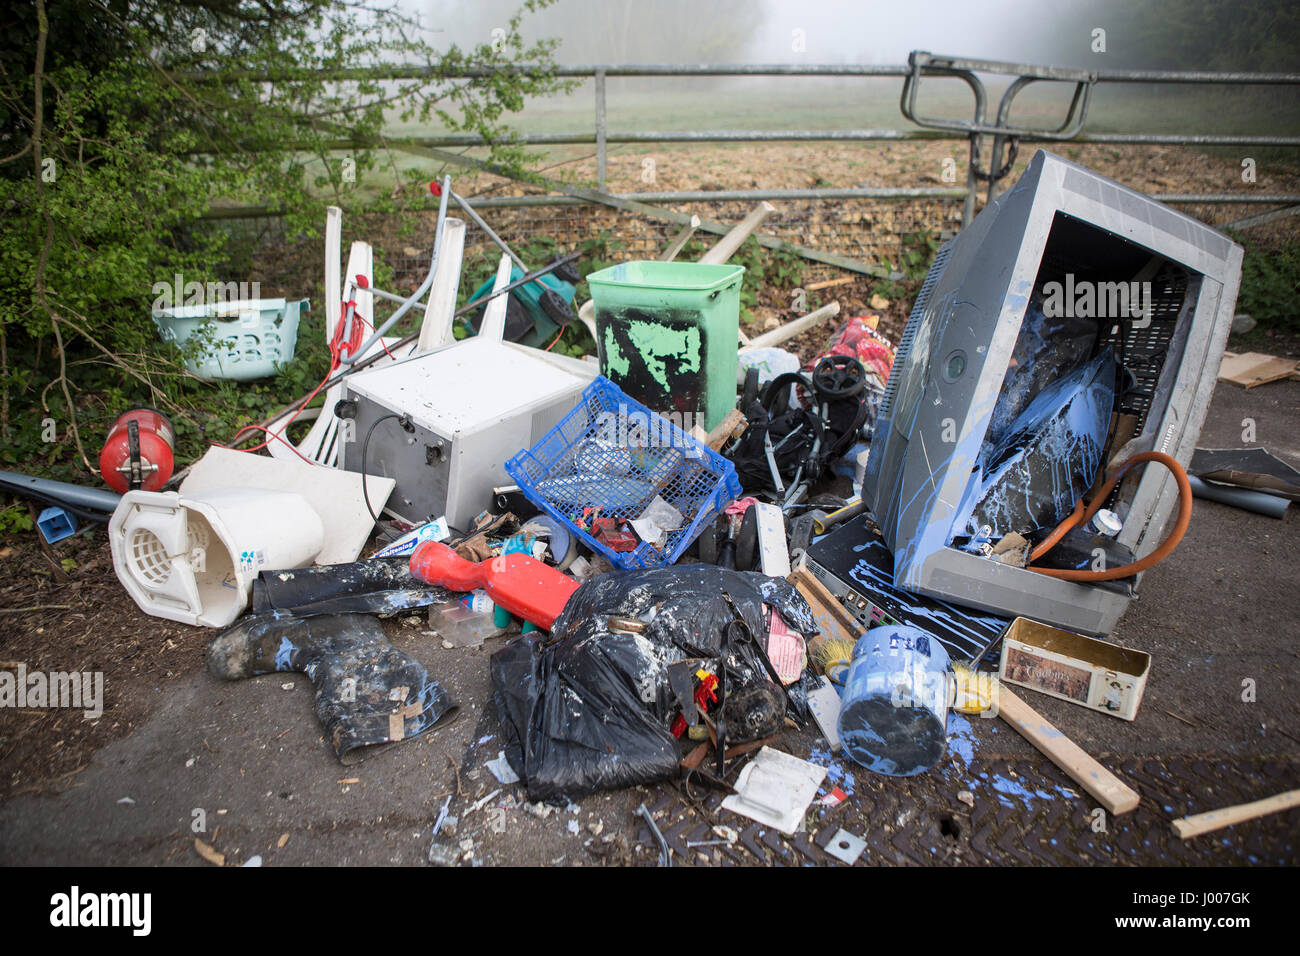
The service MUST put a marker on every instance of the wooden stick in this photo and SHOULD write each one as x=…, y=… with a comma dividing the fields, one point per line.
x=728, y=244
x=1112, y=793
x=732, y=424
x=828, y=283
x=794, y=327
x=1217, y=819
x=833, y=619
x=741, y=749
x=674, y=247
x=696, y=757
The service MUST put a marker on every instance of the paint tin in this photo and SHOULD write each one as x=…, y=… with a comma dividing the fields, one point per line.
x=895, y=703
x=1105, y=523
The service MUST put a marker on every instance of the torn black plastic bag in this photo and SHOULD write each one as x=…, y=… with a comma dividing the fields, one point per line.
x=590, y=709
x=368, y=693
x=376, y=586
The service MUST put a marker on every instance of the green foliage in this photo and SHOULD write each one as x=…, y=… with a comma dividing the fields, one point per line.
x=575, y=341
x=1270, y=285
x=598, y=252
x=918, y=252
x=124, y=122
x=919, y=249
x=14, y=519
x=764, y=268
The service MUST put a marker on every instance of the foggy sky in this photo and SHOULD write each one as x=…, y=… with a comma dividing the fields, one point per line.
x=762, y=31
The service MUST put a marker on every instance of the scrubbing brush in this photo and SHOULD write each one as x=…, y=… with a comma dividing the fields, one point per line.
x=834, y=657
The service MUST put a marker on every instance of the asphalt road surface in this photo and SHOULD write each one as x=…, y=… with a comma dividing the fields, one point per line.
x=244, y=767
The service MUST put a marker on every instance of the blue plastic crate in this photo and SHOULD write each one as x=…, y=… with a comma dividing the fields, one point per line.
x=614, y=453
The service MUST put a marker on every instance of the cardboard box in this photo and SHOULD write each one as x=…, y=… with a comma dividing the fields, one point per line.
x=1083, y=670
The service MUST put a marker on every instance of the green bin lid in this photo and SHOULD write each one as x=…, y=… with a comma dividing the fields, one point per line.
x=672, y=276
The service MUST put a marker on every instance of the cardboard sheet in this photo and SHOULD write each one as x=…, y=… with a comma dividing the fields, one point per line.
x=1250, y=369
x=776, y=788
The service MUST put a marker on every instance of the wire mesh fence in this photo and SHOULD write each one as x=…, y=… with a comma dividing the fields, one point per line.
x=870, y=231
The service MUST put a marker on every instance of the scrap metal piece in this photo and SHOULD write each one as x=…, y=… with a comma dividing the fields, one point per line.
x=846, y=847
x=824, y=702
x=665, y=854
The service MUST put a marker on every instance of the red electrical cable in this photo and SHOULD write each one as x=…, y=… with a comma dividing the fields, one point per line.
x=336, y=346
x=275, y=435
x=382, y=343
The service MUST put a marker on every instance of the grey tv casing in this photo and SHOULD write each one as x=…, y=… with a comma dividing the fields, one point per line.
x=971, y=304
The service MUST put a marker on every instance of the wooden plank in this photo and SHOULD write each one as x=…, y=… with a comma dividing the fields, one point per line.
x=833, y=619
x=732, y=424
x=1251, y=369
x=1111, y=792
x=829, y=283
x=1218, y=819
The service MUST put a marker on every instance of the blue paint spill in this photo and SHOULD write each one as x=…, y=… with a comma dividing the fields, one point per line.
x=1008, y=788
x=836, y=775
x=1034, y=475
x=283, y=655
x=960, y=739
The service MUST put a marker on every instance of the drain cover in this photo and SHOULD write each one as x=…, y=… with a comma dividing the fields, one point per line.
x=845, y=846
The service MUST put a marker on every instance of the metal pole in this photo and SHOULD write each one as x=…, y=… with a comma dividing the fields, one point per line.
x=600, y=130
x=418, y=294
x=746, y=195
x=972, y=182
x=478, y=221
x=1260, y=219
x=932, y=63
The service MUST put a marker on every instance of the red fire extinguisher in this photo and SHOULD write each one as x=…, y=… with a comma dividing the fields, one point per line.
x=138, y=451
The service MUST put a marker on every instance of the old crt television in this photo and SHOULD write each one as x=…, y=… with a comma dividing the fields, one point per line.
x=1062, y=224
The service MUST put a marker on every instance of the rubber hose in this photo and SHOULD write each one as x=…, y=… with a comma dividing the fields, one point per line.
x=1082, y=515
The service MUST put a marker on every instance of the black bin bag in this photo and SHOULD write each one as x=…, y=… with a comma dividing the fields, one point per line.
x=589, y=707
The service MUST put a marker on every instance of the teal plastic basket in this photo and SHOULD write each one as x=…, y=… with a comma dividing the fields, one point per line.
x=244, y=339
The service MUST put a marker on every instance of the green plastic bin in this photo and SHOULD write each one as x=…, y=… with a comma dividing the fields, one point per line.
x=667, y=335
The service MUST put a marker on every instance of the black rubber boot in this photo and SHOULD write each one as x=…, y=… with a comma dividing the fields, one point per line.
x=368, y=692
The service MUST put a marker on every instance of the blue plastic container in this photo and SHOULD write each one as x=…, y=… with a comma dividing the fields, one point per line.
x=894, y=716
x=615, y=454
x=55, y=524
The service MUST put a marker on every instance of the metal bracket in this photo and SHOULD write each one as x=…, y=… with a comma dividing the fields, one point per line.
x=921, y=63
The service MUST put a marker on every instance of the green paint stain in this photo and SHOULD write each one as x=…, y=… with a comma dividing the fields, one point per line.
x=657, y=342
x=616, y=363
